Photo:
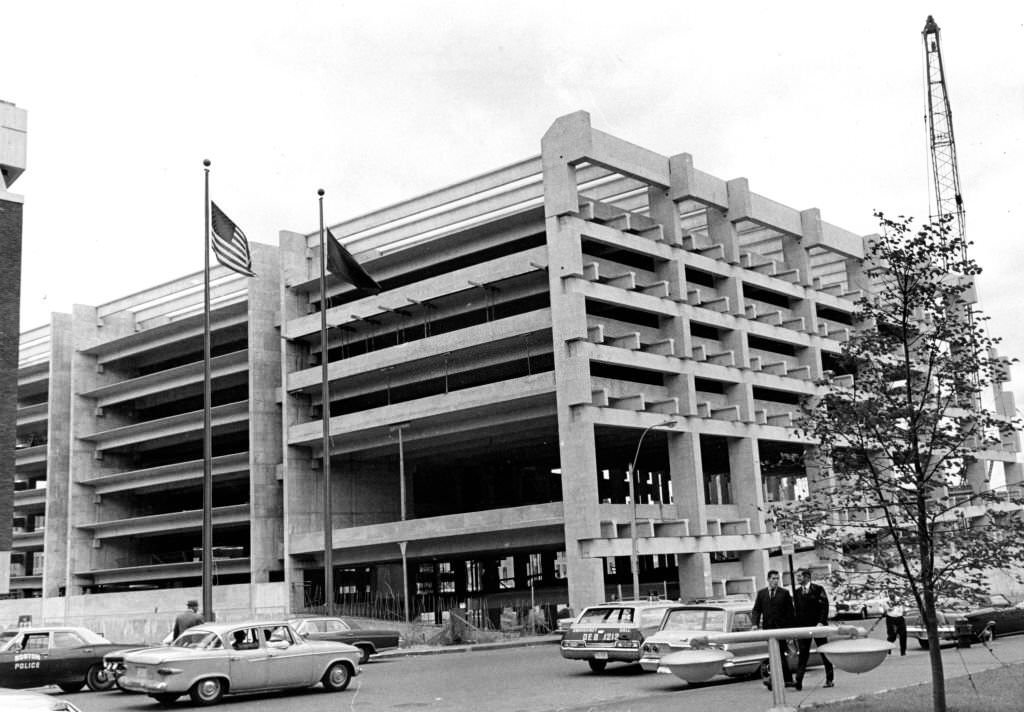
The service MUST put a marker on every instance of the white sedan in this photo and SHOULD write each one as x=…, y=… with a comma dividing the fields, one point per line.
x=860, y=608
x=212, y=660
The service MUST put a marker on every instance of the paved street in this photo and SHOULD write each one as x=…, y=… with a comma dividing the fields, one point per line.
x=536, y=679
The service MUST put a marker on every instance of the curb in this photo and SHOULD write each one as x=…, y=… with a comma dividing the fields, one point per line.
x=471, y=648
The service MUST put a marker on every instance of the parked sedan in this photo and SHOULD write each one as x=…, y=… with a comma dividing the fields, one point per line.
x=995, y=616
x=683, y=624
x=368, y=640
x=871, y=607
x=613, y=631
x=69, y=657
x=209, y=661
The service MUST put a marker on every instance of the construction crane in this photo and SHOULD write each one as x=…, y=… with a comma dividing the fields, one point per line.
x=945, y=176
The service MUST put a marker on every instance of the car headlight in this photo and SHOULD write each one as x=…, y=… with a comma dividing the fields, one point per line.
x=651, y=648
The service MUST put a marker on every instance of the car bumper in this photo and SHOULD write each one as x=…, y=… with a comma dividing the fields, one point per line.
x=151, y=687
x=620, y=655
x=946, y=632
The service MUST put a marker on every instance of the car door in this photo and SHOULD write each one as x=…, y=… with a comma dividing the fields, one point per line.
x=337, y=630
x=70, y=656
x=289, y=664
x=247, y=660
x=751, y=651
x=25, y=662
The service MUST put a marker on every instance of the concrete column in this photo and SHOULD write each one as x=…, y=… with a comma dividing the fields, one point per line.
x=688, y=489
x=722, y=232
x=665, y=212
x=265, y=526
x=742, y=395
x=576, y=434
x=795, y=256
x=58, y=472
x=745, y=467
x=301, y=484
x=745, y=470
x=687, y=475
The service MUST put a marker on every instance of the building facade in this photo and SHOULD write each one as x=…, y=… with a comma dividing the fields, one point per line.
x=542, y=331
x=13, y=135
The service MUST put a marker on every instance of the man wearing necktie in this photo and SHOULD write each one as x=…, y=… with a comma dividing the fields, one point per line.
x=811, y=605
x=773, y=608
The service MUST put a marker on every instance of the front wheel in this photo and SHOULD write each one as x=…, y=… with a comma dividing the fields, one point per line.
x=98, y=679
x=597, y=665
x=165, y=700
x=337, y=677
x=923, y=644
x=70, y=687
x=207, y=691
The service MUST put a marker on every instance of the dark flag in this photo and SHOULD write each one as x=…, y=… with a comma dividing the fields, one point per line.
x=344, y=266
x=229, y=243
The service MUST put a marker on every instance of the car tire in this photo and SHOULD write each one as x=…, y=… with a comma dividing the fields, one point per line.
x=70, y=687
x=863, y=613
x=365, y=652
x=98, y=679
x=597, y=666
x=207, y=691
x=923, y=644
x=166, y=699
x=337, y=677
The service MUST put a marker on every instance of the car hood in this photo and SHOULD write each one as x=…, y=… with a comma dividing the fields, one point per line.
x=677, y=637
x=329, y=645
x=151, y=656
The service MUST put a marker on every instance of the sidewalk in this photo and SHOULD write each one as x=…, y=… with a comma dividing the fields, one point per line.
x=523, y=642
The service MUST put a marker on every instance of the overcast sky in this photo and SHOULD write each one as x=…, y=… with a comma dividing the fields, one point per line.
x=817, y=104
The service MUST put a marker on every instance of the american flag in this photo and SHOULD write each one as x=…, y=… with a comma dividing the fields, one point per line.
x=229, y=243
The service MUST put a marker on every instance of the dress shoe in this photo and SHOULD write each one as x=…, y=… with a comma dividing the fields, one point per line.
x=790, y=684
x=798, y=686
x=829, y=683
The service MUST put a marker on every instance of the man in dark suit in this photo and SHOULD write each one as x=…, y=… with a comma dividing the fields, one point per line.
x=773, y=608
x=811, y=604
x=184, y=621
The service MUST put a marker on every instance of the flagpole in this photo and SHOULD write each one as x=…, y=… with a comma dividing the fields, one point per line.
x=325, y=397
x=208, y=613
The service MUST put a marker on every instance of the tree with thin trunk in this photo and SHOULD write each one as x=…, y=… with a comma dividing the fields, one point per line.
x=901, y=497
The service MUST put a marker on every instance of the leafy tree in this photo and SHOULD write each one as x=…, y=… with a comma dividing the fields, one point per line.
x=899, y=433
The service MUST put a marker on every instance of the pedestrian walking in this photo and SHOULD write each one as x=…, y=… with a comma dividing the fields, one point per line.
x=187, y=619
x=810, y=605
x=896, y=622
x=773, y=608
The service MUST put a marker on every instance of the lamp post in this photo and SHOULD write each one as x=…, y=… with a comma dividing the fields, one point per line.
x=633, y=564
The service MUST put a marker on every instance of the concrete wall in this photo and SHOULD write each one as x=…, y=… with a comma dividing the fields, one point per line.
x=146, y=616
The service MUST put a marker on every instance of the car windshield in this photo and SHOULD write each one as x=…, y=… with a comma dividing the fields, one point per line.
x=199, y=640
x=610, y=614
x=695, y=619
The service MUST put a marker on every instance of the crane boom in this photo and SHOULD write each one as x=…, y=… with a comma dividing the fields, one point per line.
x=949, y=203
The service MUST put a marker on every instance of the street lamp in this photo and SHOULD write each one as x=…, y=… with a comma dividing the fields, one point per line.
x=633, y=564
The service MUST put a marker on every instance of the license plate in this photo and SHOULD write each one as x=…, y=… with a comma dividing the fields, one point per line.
x=600, y=656
x=664, y=670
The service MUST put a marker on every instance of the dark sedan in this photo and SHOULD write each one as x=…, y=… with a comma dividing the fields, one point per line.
x=368, y=640
x=68, y=657
x=992, y=622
